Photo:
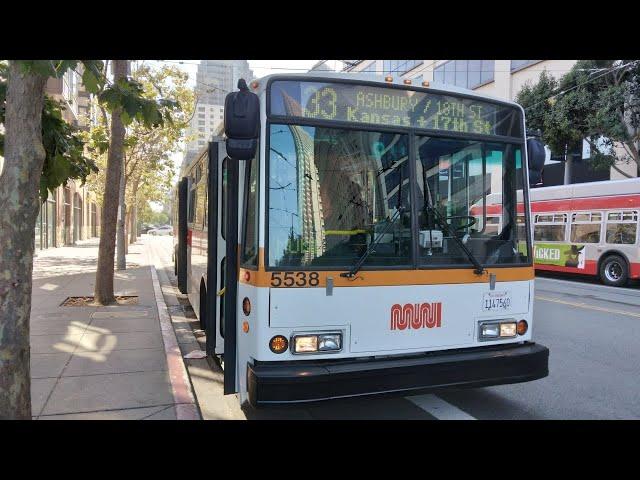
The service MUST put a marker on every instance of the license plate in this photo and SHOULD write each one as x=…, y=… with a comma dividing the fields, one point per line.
x=496, y=301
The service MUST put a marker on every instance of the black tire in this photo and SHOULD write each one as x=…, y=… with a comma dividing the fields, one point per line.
x=614, y=271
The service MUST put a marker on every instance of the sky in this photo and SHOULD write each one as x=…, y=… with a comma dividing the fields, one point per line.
x=260, y=69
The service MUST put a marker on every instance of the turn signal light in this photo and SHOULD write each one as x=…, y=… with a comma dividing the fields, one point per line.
x=279, y=344
x=246, y=306
x=523, y=326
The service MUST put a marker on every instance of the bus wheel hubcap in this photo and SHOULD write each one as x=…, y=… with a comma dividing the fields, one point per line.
x=613, y=271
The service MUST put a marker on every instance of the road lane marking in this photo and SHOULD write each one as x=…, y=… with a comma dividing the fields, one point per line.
x=439, y=408
x=591, y=286
x=589, y=307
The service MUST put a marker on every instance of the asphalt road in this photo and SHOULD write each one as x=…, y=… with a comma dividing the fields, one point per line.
x=592, y=332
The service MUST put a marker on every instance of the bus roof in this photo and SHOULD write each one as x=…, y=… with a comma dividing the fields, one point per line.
x=590, y=189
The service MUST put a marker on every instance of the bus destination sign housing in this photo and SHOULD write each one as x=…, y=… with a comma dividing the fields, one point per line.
x=388, y=106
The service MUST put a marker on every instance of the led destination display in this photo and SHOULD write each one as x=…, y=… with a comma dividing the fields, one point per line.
x=355, y=103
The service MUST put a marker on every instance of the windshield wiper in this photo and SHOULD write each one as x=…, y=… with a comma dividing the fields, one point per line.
x=356, y=268
x=479, y=269
x=399, y=209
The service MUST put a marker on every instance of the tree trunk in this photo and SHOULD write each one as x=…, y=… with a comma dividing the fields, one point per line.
x=19, y=203
x=104, y=275
x=121, y=259
x=134, y=224
x=134, y=211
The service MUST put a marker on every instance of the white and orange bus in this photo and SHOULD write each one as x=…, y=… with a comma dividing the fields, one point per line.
x=328, y=247
x=585, y=228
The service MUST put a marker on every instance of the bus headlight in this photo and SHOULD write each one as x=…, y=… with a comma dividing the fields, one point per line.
x=330, y=341
x=305, y=344
x=497, y=330
x=317, y=343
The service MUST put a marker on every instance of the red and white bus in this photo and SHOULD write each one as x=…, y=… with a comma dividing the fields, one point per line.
x=584, y=228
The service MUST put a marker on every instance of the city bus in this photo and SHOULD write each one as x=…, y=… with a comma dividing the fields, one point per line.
x=327, y=244
x=588, y=228
x=583, y=228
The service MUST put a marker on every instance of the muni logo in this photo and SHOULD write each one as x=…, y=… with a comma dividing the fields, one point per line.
x=415, y=316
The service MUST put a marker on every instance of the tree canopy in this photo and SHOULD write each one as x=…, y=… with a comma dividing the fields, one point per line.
x=64, y=143
x=598, y=101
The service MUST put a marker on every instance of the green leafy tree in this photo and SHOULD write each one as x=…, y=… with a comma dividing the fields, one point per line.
x=149, y=170
x=63, y=144
x=37, y=160
x=597, y=100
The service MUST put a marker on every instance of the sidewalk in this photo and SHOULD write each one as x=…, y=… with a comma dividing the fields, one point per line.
x=116, y=362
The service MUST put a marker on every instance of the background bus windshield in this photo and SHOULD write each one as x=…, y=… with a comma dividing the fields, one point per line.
x=333, y=192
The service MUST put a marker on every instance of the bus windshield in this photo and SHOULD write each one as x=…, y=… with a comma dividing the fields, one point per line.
x=333, y=192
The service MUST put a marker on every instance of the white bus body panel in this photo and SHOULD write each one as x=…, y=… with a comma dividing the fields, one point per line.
x=364, y=314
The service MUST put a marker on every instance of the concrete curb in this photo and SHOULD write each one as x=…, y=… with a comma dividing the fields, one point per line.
x=183, y=396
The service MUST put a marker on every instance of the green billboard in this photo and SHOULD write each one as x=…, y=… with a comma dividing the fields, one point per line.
x=559, y=254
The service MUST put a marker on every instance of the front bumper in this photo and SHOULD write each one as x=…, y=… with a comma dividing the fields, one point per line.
x=308, y=381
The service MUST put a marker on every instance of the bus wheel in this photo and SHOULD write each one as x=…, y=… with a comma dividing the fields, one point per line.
x=614, y=271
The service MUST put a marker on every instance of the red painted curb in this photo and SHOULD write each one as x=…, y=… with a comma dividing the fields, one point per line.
x=186, y=407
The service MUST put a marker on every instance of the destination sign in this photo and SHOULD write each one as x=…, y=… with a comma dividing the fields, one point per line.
x=349, y=102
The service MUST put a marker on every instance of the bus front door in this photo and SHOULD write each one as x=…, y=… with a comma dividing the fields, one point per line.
x=216, y=249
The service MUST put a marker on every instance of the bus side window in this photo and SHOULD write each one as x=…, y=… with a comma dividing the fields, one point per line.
x=250, y=229
x=223, y=202
x=622, y=227
x=493, y=226
x=585, y=227
x=550, y=228
x=192, y=204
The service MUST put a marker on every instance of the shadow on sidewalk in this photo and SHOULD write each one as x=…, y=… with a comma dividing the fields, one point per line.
x=91, y=361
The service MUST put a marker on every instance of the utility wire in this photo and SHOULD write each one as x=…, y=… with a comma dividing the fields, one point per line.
x=608, y=71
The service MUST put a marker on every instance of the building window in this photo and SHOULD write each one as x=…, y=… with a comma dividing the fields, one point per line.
x=51, y=221
x=465, y=73
x=400, y=66
x=38, y=230
x=371, y=68
x=520, y=64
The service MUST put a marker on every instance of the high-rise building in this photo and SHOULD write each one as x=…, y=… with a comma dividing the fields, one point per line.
x=214, y=79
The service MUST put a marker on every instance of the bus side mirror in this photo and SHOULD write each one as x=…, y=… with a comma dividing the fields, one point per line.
x=536, y=156
x=241, y=122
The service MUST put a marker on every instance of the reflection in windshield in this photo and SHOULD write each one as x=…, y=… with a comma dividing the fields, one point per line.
x=332, y=191
x=335, y=192
x=457, y=178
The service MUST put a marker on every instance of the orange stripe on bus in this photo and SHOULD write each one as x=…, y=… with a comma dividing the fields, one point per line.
x=370, y=278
